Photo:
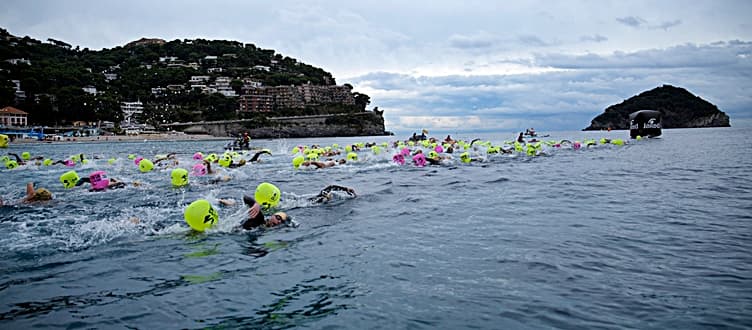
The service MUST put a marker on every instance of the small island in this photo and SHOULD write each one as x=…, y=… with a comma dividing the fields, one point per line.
x=679, y=108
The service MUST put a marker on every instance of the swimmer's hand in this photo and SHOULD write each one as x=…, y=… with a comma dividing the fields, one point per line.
x=226, y=202
x=351, y=192
x=254, y=210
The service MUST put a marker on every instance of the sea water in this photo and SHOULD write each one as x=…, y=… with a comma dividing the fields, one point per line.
x=655, y=234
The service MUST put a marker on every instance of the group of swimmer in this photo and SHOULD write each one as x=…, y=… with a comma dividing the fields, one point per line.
x=421, y=151
x=99, y=181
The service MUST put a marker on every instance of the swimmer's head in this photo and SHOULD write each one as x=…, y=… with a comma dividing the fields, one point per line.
x=42, y=194
x=342, y=161
x=277, y=219
x=99, y=180
x=198, y=170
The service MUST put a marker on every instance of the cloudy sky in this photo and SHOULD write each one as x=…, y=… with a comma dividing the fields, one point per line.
x=454, y=66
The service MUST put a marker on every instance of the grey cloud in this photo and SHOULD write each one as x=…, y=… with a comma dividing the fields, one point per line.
x=632, y=21
x=531, y=40
x=668, y=24
x=683, y=56
x=638, y=22
x=593, y=38
x=477, y=41
x=569, y=99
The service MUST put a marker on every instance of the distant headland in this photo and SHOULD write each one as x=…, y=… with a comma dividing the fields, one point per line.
x=679, y=108
x=150, y=83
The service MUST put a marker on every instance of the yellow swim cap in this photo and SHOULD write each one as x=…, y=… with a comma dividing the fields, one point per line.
x=69, y=179
x=179, y=177
x=200, y=215
x=145, y=165
x=297, y=161
x=267, y=195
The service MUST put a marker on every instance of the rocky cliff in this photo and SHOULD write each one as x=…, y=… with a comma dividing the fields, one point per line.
x=355, y=124
x=679, y=107
x=367, y=123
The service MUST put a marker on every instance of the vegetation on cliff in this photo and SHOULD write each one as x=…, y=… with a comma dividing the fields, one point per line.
x=61, y=83
x=679, y=108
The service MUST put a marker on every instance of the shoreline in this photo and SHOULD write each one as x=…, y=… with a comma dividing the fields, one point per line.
x=127, y=138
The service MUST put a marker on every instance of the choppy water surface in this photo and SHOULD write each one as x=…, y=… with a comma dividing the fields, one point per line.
x=653, y=235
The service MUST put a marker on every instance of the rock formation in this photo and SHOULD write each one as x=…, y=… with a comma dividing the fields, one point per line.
x=679, y=108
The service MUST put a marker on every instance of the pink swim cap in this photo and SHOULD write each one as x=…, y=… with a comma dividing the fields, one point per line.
x=99, y=180
x=399, y=159
x=419, y=160
x=439, y=149
x=576, y=145
x=69, y=163
x=198, y=156
x=405, y=151
x=138, y=160
x=198, y=170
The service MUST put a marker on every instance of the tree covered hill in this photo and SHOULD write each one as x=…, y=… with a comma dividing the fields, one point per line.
x=57, y=83
x=679, y=108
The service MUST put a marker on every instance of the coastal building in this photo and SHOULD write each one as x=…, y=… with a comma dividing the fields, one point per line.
x=16, y=61
x=198, y=79
x=264, y=99
x=158, y=91
x=20, y=94
x=10, y=116
x=90, y=89
x=168, y=59
x=130, y=109
x=110, y=76
x=256, y=101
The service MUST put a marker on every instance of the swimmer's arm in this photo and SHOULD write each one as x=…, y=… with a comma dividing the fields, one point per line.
x=254, y=209
x=328, y=189
x=226, y=202
x=256, y=156
x=208, y=167
x=82, y=181
x=18, y=159
x=29, y=190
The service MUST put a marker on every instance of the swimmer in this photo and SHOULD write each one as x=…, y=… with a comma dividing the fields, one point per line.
x=70, y=162
x=325, y=195
x=171, y=157
x=255, y=157
x=323, y=164
x=20, y=160
x=520, y=138
x=32, y=195
x=209, y=171
x=256, y=218
x=100, y=182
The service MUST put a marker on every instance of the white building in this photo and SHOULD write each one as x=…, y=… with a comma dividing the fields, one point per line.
x=168, y=59
x=198, y=79
x=90, y=89
x=110, y=76
x=129, y=109
x=15, y=61
x=10, y=116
